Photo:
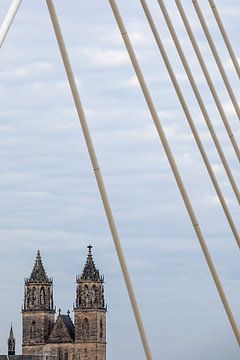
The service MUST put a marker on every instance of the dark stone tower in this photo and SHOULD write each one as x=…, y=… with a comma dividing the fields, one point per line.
x=90, y=313
x=11, y=343
x=38, y=312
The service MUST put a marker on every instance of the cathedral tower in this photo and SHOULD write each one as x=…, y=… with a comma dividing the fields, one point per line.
x=11, y=343
x=90, y=313
x=38, y=312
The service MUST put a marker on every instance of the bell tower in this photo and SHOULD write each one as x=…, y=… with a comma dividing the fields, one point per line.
x=90, y=313
x=38, y=313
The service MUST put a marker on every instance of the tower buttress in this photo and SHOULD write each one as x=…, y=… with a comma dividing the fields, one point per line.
x=11, y=342
x=90, y=312
x=38, y=313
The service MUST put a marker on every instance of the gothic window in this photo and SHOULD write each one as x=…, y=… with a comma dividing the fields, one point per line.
x=34, y=296
x=86, y=295
x=94, y=294
x=79, y=295
x=85, y=329
x=102, y=297
x=65, y=355
x=28, y=299
x=33, y=331
x=101, y=328
x=49, y=297
x=42, y=296
x=49, y=328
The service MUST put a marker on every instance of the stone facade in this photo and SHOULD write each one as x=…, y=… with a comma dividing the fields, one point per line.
x=50, y=337
x=61, y=339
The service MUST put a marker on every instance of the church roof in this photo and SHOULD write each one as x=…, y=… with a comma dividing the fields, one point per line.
x=38, y=274
x=63, y=330
x=90, y=272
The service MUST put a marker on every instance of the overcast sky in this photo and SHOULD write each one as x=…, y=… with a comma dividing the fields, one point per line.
x=49, y=198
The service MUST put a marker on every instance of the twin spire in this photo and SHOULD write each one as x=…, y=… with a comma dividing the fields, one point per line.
x=90, y=272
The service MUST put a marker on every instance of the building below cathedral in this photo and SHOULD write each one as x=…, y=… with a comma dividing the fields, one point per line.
x=50, y=337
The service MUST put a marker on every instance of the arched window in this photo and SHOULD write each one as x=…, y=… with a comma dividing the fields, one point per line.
x=101, y=328
x=28, y=299
x=49, y=327
x=79, y=294
x=33, y=331
x=94, y=299
x=49, y=297
x=85, y=329
x=34, y=296
x=65, y=355
x=86, y=295
x=42, y=296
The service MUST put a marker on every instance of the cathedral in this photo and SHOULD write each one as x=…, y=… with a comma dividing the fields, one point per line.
x=50, y=337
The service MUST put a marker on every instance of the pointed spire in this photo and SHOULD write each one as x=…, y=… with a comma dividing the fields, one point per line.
x=38, y=274
x=11, y=342
x=90, y=272
x=11, y=335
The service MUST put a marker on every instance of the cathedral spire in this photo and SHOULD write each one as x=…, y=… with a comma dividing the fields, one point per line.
x=90, y=272
x=38, y=274
x=11, y=342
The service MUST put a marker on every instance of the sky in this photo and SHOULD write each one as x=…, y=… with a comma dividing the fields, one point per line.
x=49, y=197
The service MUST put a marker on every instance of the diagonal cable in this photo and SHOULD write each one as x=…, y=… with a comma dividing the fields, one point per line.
x=8, y=20
x=98, y=175
x=207, y=119
x=208, y=78
x=216, y=57
x=174, y=167
x=189, y=117
x=225, y=36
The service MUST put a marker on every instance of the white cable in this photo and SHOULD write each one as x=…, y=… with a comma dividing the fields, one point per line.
x=173, y=165
x=99, y=178
x=8, y=20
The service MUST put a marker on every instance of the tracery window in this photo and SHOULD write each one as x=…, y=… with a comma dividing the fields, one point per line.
x=94, y=294
x=49, y=297
x=42, y=296
x=85, y=328
x=79, y=295
x=33, y=331
x=101, y=328
x=34, y=296
x=86, y=295
x=28, y=299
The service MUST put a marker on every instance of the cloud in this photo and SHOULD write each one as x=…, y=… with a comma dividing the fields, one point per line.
x=49, y=198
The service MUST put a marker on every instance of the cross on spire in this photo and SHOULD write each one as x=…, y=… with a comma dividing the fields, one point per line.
x=89, y=249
